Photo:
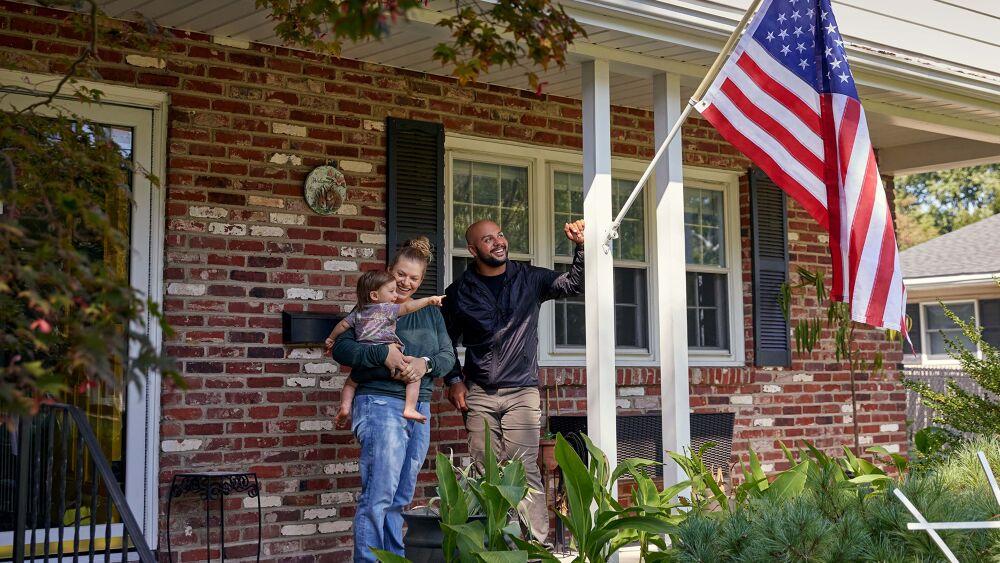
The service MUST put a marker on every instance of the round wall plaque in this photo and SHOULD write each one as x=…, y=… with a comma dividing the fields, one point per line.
x=325, y=190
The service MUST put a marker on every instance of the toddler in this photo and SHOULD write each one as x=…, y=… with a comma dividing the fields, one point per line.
x=374, y=322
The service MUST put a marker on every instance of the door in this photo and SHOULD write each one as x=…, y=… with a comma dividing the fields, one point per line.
x=121, y=418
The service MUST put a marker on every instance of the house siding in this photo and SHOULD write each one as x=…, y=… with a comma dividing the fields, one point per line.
x=245, y=128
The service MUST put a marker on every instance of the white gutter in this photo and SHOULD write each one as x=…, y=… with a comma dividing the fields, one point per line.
x=959, y=280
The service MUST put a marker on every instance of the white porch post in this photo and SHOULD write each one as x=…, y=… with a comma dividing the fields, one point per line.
x=599, y=276
x=670, y=276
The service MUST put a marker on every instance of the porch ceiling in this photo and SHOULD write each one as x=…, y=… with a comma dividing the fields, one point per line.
x=918, y=107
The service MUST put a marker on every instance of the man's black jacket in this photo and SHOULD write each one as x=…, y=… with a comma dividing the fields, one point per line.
x=501, y=335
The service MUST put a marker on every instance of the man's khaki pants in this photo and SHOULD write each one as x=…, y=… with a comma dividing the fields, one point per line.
x=514, y=416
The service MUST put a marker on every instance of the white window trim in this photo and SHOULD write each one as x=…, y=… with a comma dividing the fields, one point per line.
x=928, y=359
x=542, y=161
x=142, y=496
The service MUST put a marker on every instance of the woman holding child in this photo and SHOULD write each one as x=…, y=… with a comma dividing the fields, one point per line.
x=393, y=447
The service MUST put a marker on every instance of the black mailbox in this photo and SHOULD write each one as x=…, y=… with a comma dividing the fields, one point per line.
x=299, y=329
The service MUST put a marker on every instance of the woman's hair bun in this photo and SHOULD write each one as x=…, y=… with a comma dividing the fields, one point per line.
x=419, y=247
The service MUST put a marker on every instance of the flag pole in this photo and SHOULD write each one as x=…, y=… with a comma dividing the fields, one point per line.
x=713, y=71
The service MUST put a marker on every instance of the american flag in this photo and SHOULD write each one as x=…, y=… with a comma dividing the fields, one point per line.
x=786, y=98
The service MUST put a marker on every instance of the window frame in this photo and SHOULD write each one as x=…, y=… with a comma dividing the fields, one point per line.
x=926, y=357
x=574, y=352
x=731, y=216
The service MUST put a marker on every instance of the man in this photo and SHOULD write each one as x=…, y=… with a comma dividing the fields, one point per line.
x=492, y=310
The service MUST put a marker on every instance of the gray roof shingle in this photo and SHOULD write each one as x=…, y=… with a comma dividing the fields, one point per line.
x=973, y=249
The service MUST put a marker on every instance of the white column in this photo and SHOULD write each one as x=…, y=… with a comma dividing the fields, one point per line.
x=599, y=277
x=670, y=276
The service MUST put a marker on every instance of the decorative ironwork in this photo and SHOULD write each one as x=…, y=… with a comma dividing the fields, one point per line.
x=212, y=486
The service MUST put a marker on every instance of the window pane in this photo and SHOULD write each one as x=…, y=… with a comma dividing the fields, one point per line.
x=939, y=326
x=631, y=244
x=631, y=323
x=708, y=311
x=491, y=191
x=567, y=190
x=704, y=238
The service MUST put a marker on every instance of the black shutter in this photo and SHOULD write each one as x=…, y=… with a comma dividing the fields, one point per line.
x=770, y=270
x=415, y=192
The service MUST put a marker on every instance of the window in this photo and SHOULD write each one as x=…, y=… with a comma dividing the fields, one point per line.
x=486, y=190
x=708, y=269
x=631, y=287
x=940, y=327
x=533, y=191
x=931, y=327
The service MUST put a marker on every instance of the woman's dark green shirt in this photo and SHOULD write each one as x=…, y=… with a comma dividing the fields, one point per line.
x=423, y=334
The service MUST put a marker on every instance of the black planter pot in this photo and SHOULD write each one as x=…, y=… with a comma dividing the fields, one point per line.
x=424, y=538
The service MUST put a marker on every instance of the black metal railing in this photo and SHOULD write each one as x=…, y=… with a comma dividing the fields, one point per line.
x=68, y=504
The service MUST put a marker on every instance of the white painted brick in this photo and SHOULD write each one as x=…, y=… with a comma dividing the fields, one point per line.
x=266, y=201
x=319, y=513
x=180, y=445
x=355, y=166
x=848, y=419
x=741, y=399
x=282, y=158
x=763, y=422
x=341, y=468
x=230, y=42
x=261, y=231
x=301, y=382
x=265, y=502
x=792, y=235
x=892, y=448
x=370, y=125
x=145, y=62
x=865, y=440
x=623, y=403
x=333, y=382
x=288, y=129
x=372, y=238
x=314, y=425
x=348, y=209
x=772, y=388
x=334, y=527
x=298, y=530
x=631, y=391
x=304, y=293
x=234, y=229
x=340, y=266
x=802, y=377
x=846, y=408
x=336, y=498
x=889, y=428
x=767, y=467
x=646, y=402
x=305, y=354
x=185, y=289
x=823, y=239
x=355, y=252
x=325, y=367
x=288, y=219
x=208, y=212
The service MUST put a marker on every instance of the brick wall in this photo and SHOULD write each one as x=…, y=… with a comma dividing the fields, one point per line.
x=245, y=127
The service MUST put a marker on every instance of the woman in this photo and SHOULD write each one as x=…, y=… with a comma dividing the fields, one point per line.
x=393, y=448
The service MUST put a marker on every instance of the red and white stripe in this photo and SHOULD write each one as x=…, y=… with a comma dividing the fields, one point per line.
x=816, y=147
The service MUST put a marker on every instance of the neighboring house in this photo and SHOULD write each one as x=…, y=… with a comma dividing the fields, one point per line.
x=961, y=271
x=233, y=124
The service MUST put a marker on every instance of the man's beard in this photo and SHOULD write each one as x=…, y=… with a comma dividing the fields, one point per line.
x=490, y=260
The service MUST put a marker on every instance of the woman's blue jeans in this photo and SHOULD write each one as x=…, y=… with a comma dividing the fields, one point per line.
x=392, y=451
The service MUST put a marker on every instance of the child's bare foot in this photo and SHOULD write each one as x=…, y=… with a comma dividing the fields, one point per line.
x=414, y=414
x=343, y=418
